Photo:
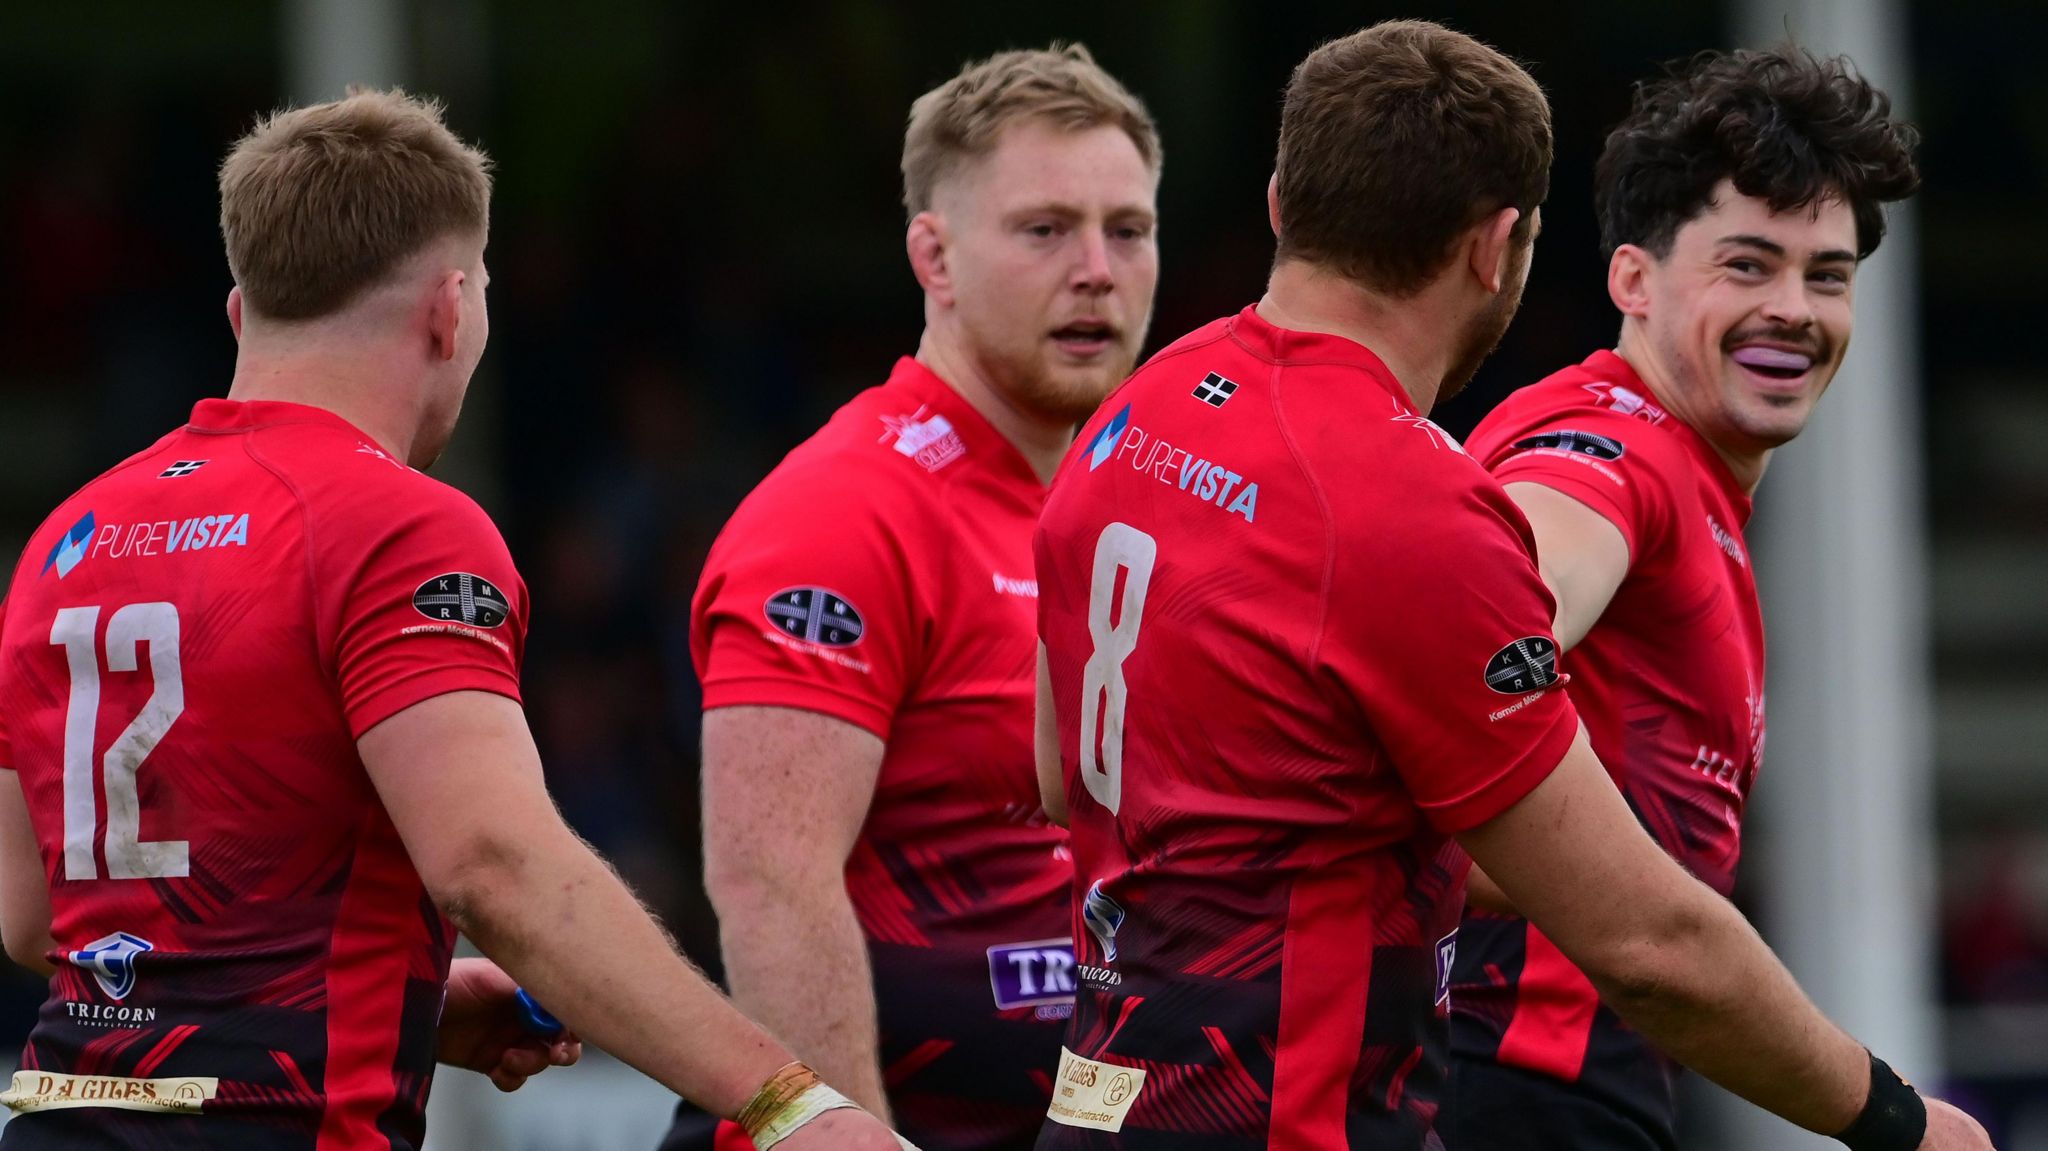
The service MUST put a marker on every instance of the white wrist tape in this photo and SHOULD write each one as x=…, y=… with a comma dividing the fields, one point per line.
x=815, y=1101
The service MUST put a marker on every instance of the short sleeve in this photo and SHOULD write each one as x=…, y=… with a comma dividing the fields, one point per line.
x=1616, y=465
x=807, y=601
x=427, y=601
x=1439, y=628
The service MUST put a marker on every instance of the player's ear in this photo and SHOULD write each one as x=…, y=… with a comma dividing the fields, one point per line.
x=1273, y=204
x=1492, y=242
x=235, y=311
x=925, y=241
x=1628, y=280
x=444, y=314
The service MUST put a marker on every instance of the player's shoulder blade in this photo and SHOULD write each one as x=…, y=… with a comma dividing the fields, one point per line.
x=141, y=524
x=1352, y=426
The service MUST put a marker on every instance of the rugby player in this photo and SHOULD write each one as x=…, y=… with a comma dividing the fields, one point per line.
x=259, y=699
x=1298, y=652
x=1736, y=201
x=890, y=893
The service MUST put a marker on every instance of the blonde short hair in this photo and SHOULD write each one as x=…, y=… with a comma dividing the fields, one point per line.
x=962, y=118
x=319, y=203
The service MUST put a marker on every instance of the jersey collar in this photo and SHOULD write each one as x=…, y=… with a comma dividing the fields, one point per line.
x=993, y=450
x=225, y=415
x=1285, y=346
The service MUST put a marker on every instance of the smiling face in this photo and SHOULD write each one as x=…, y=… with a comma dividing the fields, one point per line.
x=1745, y=320
x=1048, y=263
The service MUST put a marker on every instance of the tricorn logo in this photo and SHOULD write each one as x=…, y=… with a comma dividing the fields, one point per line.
x=111, y=959
x=1103, y=916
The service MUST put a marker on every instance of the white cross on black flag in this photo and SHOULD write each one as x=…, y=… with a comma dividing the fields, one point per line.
x=1214, y=390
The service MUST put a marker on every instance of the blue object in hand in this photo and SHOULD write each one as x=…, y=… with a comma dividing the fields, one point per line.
x=536, y=1017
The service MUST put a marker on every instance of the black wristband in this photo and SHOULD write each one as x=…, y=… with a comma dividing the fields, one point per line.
x=1894, y=1116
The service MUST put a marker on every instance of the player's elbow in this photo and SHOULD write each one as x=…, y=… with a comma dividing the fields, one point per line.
x=1660, y=966
x=472, y=878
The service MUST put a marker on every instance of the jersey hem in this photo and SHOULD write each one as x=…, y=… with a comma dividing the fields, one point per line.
x=1511, y=786
x=421, y=686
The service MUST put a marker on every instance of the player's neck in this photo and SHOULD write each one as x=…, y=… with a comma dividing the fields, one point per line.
x=1407, y=335
x=1634, y=346
x=1042, y=444
x=353, y=384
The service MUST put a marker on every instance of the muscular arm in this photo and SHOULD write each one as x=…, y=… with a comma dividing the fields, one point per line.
x=24, y=896
x=461, y=779
x=1583, y=559
x=1669, y=955
x=1045, y=748
x=785, y=794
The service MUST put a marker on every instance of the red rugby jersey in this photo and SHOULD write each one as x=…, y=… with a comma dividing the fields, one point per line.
x=1296, y=638
x=1670, y=683
x=881, y=574
x=191, y=646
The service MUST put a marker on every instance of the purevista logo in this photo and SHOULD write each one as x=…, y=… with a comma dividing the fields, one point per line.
x=89, y=539
x=111, y=959
x=1205, y=479
x=1106, y=440
x=71, y=549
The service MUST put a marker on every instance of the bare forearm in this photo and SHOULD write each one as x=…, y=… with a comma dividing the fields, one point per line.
x=799, y=964
x=1726, y=1007
x=1671, y=956
x=563, y=924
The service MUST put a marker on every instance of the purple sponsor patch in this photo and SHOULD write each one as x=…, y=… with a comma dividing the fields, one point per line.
x=1028, y=974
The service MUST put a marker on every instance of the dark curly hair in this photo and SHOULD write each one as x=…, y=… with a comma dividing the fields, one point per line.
x=1787, y=127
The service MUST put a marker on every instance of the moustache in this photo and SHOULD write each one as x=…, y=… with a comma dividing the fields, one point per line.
x=1805, y=340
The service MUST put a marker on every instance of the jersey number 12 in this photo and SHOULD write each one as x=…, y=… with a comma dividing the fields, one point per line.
x=1103, y=690
x=128, y=857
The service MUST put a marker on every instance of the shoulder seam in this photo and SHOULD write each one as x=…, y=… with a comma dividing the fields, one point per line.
x=1322, y=509
x=1176, y=352
x=306, y=525
x=1651, y=467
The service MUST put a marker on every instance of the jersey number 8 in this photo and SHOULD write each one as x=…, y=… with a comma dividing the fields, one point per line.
x=128, y=857
x=1121, y=548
